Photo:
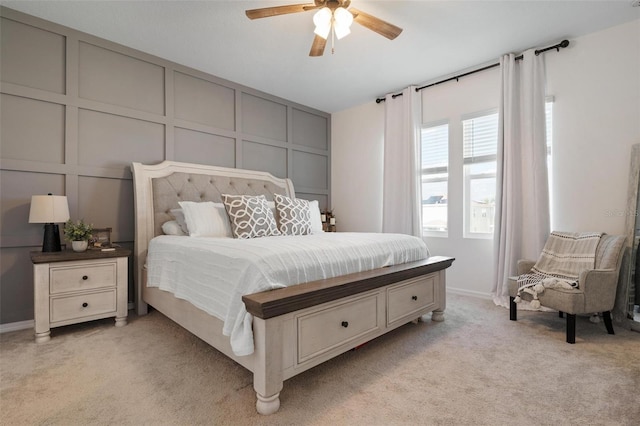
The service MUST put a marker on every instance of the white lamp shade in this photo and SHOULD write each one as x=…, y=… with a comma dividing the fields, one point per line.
x=322, y=21
x=48, y=209
x=342, y=20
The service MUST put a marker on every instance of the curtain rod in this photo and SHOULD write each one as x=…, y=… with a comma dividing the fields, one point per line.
x=563, y=44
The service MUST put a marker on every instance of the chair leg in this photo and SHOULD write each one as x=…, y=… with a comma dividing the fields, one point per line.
x=513, y=309
x=571, y=328
x=607, y=322
x=561, y=314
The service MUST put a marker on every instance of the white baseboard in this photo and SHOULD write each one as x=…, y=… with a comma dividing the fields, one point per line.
x=15, y=326
x=472, y=293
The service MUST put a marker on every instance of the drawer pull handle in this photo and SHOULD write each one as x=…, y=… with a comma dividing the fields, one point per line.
x=84, y=277
x=85, y=304
x=414, y=297
x=345, y=324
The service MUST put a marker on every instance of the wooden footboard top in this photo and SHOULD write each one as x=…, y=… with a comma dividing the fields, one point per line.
x=272, y=303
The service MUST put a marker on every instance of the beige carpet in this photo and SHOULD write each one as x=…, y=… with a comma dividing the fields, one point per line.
x=476, y=368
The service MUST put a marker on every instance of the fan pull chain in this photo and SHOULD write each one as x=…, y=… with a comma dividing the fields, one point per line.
x=333, y=36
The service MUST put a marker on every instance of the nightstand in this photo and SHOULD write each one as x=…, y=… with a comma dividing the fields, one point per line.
x=72, y=287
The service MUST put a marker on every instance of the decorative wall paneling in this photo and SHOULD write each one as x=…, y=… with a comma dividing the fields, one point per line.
x=76, y=110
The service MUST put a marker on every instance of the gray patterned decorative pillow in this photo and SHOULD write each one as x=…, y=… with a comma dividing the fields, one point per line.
x=250, y=216
x=294, y=215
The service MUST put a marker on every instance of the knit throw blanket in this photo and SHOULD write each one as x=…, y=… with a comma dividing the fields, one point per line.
x=564, y=256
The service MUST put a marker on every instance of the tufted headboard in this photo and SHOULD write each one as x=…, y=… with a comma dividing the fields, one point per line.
x=158, y=189
x=180, y=186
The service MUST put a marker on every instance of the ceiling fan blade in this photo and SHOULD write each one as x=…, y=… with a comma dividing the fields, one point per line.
x=317, y=48
x=383, y=28
x=267, y=12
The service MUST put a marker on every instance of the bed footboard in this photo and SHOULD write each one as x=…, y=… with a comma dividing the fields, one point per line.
x=297, y=328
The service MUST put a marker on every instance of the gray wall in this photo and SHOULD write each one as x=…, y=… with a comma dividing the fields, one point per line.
x=76, y=110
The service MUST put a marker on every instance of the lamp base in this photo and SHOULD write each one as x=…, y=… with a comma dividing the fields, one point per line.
x=51, y=240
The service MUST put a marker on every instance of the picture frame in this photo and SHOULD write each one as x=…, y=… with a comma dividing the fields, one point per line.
x=101, y=238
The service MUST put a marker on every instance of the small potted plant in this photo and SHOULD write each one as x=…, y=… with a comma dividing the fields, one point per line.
x=79, y=233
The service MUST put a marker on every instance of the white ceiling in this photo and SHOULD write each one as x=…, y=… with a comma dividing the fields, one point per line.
x=271, y=54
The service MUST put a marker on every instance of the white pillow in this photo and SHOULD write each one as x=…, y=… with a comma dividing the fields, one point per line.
x=172, y=227
x=316, y=220
x=206, y=219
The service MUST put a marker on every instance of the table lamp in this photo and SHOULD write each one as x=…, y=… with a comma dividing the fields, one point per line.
x=49, y=209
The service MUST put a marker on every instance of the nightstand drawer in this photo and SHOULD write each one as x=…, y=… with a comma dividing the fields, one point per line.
x=324, y=330
x=407, y=299
x=85, y=277
x=83, y=305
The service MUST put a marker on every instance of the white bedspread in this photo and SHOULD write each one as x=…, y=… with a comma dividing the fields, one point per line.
x=213, y=273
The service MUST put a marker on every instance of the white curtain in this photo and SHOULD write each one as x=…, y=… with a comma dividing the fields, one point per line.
x=522, y=196
x=401, y=181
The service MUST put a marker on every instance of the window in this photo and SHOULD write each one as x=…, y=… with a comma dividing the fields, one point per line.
x=435, y=175
x=480, y=141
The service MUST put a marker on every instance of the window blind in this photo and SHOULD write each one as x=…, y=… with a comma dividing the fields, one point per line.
x=480, y=138
x=435, y=149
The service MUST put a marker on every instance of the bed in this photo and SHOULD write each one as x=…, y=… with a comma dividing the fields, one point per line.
x=293, y=328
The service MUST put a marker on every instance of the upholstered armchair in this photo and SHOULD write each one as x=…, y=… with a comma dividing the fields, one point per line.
x=596, y=292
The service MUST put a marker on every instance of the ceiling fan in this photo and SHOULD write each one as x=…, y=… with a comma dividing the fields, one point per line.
x=332, y=17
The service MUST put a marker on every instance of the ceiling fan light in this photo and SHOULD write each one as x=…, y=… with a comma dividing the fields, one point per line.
x=342, y=17
x=322, y=31
x=322, y=18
